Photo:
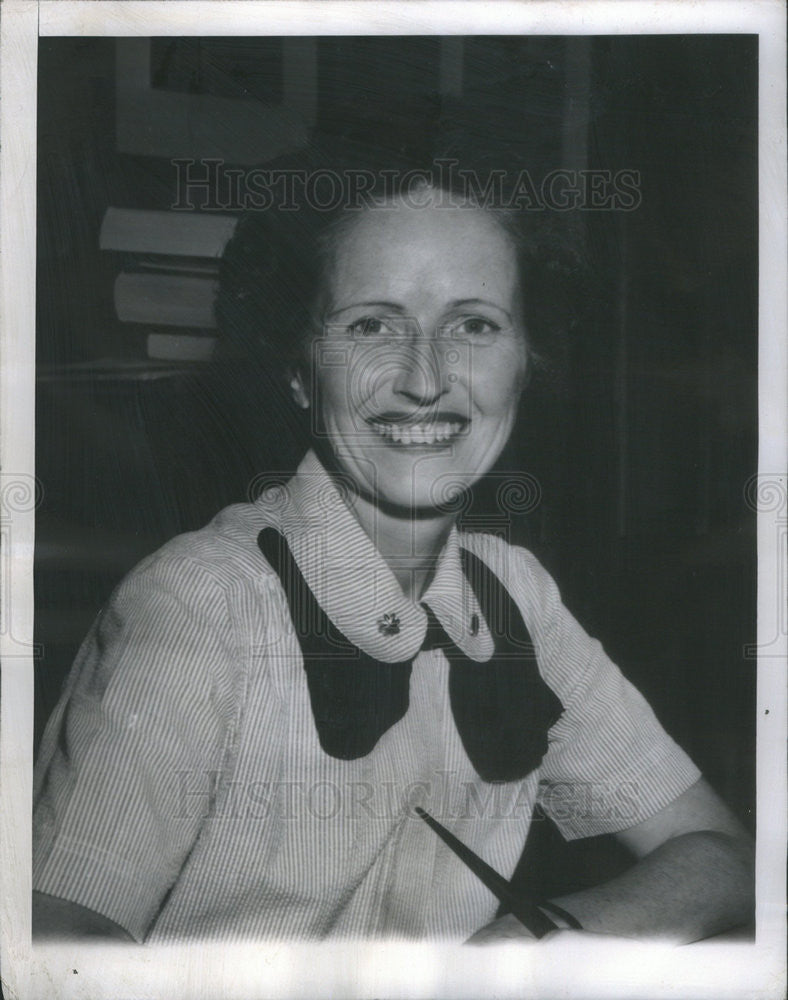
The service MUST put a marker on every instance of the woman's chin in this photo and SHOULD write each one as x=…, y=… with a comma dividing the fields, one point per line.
x=423, y=495
x=415, y=479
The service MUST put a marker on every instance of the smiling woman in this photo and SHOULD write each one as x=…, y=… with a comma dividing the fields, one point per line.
x=423, y=301
x=277, y=695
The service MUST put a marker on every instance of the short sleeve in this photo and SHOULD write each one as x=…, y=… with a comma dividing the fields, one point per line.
x=147, y=707
x=610, y=764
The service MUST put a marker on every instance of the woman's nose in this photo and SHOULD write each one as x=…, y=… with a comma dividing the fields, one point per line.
x=422, y=375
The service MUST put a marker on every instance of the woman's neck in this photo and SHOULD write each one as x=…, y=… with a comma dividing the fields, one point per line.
x=410, y=543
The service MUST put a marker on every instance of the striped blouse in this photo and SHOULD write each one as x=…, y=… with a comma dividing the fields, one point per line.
x=181, y=789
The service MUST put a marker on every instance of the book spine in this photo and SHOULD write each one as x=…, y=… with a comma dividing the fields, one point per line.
x=180, y=347
x=176, y=234
x=165, y=299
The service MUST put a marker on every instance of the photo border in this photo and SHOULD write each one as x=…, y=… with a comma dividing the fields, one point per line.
x=604, y=967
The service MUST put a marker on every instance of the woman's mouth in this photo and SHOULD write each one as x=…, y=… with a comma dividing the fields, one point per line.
x=434, y=432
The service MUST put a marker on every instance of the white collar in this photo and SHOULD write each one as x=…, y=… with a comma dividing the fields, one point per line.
x=354, y=585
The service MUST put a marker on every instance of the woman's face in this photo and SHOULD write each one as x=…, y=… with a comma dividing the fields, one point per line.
x=418, y=371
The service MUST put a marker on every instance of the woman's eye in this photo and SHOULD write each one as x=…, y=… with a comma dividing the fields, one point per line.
x=368, y=326
x=475, y=326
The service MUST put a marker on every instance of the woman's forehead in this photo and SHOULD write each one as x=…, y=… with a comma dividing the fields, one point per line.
x=398, y=247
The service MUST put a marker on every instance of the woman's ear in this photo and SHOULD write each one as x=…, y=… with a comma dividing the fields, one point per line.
x=298, y=390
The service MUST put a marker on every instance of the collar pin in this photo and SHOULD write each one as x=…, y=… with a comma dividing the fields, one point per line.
x=388, y=624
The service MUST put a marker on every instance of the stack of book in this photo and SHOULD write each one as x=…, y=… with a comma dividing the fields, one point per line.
x=168, y=280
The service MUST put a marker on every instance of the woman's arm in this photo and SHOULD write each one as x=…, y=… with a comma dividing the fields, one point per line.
x=150, y=701
x=60, y=920
x=693, y=879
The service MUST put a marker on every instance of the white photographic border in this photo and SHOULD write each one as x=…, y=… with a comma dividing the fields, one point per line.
x=604, y=968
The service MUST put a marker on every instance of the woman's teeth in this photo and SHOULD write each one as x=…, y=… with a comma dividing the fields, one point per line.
x=417, y=433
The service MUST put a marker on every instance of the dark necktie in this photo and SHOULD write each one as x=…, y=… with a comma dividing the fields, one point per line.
x=503, y=709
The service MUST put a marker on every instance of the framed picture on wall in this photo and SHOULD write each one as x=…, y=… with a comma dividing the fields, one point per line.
x=200, y=98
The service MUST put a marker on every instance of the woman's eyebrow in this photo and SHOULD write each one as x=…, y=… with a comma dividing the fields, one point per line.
x=379, y=303
x=457, y=303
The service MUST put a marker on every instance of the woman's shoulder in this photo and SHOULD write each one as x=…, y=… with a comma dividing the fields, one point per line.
x=224, y=551
x=568, y=655
x=517, y=568
x=501, y=555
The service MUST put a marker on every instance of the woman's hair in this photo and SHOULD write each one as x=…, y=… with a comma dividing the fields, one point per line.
x=275, y=265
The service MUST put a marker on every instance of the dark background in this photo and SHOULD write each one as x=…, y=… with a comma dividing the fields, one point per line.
x=642, y=431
